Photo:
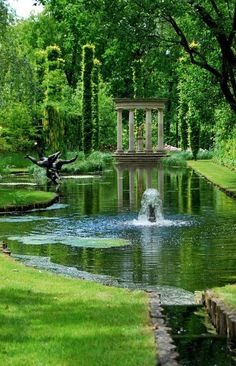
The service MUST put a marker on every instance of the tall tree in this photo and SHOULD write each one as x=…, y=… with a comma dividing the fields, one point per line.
x=87, y=97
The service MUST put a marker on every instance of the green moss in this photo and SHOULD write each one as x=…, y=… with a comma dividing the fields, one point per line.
x=55, y=320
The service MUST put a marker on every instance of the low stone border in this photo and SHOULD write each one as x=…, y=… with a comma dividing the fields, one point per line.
x=222, y=317
x=166, y=350
x=11, y=210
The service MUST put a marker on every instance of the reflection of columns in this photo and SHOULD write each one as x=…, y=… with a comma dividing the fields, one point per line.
x=131, y=131
x=149, y=177
x=131, y=186
x=140, y=180
x=148, y=130
x=120, y=186
x=160, y=129
x=119, y=131
x=160, y=172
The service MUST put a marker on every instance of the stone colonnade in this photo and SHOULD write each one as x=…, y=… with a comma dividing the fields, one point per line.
x=131, y=105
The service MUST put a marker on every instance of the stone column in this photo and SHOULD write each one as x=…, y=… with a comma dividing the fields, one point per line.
x=131, y=131
x=148, y=130
x=119, y=131
x=160, y=145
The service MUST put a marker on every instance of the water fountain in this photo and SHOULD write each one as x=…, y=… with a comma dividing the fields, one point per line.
x=151, y=206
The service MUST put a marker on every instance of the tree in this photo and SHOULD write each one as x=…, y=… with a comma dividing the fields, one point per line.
x=87, y=97
x=210, y=44
x=96, y=124
x=55, y=82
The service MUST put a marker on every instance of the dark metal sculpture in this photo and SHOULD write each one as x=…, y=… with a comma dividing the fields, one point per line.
x=52, y=164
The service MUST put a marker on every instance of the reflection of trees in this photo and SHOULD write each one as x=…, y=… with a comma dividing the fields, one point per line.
x=194, y=256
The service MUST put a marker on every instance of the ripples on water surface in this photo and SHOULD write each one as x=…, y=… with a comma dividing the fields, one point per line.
x=192, y=248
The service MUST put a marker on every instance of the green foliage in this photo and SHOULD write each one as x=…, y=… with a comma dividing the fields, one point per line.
x=53, y=125
x=225, y=138
x=38, y=174
x=95, y=162
x=194, y=126
x=179, y=158
x=107, y=116
x=17, y=130
x=87, y=97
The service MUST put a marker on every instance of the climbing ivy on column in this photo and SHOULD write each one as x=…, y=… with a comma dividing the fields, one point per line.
x=96, y=127
x=87, y=96
x=40, y=70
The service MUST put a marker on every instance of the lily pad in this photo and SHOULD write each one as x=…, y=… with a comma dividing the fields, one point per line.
x=74, y=241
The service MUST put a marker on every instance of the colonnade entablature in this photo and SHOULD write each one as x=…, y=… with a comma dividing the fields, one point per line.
x=136, y=148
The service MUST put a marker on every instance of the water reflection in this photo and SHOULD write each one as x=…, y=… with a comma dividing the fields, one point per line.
x=193, y=248
x=140, y=178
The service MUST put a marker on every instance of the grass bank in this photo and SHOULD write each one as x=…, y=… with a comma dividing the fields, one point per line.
x=219, y=175
x=11, y=199
x=227, y=294
x=53, y=320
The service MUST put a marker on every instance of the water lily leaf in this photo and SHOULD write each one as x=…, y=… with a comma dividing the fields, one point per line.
x=70, y=240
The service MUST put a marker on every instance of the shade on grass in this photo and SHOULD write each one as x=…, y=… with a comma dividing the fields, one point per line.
x=53, y=320
x=227, y=294
x=217, y=174
x=21, y=197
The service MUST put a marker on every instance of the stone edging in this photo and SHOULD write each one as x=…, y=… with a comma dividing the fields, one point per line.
x=166, y=350
x=11, y=210
x=222, y=317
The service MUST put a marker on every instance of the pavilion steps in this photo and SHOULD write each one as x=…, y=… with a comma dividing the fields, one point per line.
x=138, y=157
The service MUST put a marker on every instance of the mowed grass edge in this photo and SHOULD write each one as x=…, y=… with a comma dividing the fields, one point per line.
x=21, y=197
x=219, y=175
x=53, y=320
x=227, y=294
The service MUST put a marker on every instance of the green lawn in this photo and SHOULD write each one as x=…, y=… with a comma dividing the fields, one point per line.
x=53, y=320
x=21, y=197
x=217, y=174
x=227, y=294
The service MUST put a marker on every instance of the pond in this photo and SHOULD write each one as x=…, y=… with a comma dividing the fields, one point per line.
x=193, y=248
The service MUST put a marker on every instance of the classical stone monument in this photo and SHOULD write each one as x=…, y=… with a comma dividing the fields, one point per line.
x=138, y=149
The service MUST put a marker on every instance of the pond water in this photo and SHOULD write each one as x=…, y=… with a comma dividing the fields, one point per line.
x=192, y=248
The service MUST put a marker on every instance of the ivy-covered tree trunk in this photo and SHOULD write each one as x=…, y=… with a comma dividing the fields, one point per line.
x=55, y=81
x=194, y=125
x=54, y=129
x=87, y=97
x=138, y=92
x=183, y=123
x=96, y=128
